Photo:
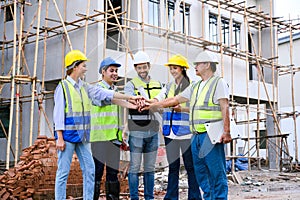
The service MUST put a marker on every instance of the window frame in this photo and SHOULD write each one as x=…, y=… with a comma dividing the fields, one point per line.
x=171, y=13
x=225, y=28
x=185, y=11
x=9, y=13
x=262, y=140
x=213, y=27
x=154, y=9
x=237, y=34
x=5, y=117
x=113, y=37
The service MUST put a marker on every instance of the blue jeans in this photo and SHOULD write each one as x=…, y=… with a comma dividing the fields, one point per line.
x=210, y=167
x=83, y=151
x=142, y=144
x=173, y=155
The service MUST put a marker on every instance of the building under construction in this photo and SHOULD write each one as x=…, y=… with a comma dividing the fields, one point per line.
x=36, y=35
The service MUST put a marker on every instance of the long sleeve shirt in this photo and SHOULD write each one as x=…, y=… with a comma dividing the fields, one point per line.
x=129, y=89
x=102, y=102
x=60, y=102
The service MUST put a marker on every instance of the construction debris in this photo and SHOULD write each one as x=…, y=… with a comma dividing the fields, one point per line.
x=266, y=184
x=34, y=178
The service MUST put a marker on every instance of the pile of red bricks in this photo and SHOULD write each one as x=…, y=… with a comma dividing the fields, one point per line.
x=34, y=175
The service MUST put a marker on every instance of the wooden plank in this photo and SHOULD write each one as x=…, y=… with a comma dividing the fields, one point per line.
x=237, y=177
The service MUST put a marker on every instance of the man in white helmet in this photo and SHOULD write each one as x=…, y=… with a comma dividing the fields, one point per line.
x=208, y=103
x=143, y=129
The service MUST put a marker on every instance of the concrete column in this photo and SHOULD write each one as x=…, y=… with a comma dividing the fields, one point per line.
x=272, y=149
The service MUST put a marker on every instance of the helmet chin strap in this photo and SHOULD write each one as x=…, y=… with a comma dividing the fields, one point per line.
x=73, y=65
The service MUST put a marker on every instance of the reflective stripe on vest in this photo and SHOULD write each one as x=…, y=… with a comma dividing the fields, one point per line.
x=77, y=113
x=177, y=121
x=140, y=117
x=105, y=123
x=152, y=88
x=203, y=108
x=143, y=118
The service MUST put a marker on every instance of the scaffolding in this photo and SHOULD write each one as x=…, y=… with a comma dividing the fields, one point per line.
x=253, y=19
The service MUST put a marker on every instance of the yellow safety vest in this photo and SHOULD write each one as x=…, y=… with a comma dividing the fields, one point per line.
x=77, y=113
x=202, y=107
x=105, y=122
x=138, y=120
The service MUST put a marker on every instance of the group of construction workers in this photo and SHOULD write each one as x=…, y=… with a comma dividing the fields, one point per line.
x=88, y=120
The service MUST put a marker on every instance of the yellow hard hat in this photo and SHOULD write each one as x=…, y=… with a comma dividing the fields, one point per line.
x=179, y=60
x=73, y=56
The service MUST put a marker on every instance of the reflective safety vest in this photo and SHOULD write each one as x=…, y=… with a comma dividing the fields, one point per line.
x=77, y=113
x=105, y=123
x=202, y=107
x=177, y=121
x=136, y=119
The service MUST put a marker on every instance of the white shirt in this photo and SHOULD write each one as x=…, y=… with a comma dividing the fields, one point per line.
x=222, y=91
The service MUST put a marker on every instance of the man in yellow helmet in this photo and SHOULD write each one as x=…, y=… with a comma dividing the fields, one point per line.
x=71, y=118
x=208, y=103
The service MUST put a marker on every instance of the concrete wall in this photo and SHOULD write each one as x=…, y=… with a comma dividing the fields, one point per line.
x=54, y=64
x=287, y=126
x=155, y=46
x=285, y=90
x=285, y=84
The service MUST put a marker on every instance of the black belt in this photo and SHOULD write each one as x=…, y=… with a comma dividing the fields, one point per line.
x=198, y=133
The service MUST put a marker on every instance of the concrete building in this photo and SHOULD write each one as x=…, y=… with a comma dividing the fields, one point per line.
x=289, y=79
x=243, y=43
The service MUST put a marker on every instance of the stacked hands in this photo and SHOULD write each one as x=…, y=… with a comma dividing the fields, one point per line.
x=140, y=103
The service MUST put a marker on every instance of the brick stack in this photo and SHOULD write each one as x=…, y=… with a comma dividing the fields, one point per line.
x=34, y=175
x=124, y=167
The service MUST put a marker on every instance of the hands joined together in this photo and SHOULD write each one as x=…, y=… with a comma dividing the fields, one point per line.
x=141, y=103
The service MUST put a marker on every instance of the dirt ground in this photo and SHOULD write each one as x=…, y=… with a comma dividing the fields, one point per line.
x=256, y=184
x=266, y=184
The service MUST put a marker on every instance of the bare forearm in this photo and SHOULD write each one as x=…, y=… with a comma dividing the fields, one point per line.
x=185, y=109
x=169, y=102
x=59, y=134
x=225, y=114
x=152, y=100
x=118, y=95
x=123, y=103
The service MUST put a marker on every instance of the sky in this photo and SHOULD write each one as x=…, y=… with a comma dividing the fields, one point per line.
x=285, y=7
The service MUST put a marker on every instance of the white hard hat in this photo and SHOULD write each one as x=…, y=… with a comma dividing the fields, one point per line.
x=206, y=56
x=141, y=57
